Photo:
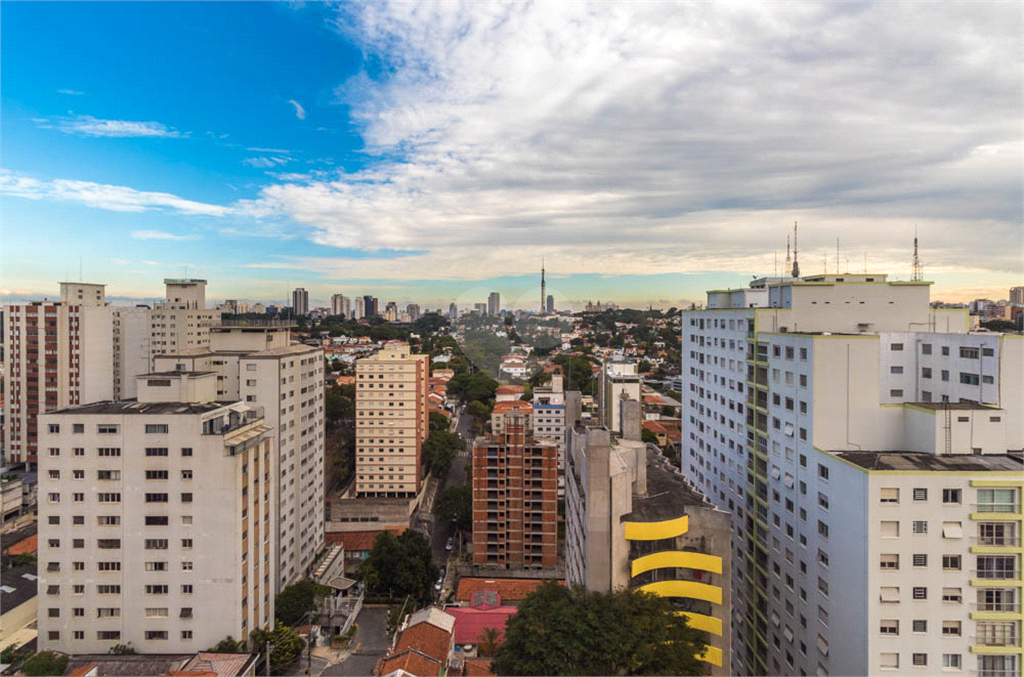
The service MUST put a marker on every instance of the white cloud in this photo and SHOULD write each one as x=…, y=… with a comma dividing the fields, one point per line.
x=265, y=162
x=647, y=137
x=270, y=150
x=300, y=112
x=87, y=125
x=70, y=92
x=158, y=235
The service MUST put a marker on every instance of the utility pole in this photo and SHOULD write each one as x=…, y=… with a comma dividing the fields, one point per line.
x=269, y=647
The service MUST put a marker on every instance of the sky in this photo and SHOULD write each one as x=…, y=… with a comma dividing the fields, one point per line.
x=434, y=152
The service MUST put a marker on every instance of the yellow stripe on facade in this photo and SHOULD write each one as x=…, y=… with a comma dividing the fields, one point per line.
x=701, y=622
x=676, y=558
x=713, y=655
x=656, y=531
x=690, y=589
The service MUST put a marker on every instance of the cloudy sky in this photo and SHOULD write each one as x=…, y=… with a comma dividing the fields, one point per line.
x=431, y=152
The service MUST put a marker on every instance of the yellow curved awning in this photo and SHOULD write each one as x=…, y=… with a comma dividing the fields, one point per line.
x=701, y=622
x=676, y=558
x=656, y=531
x=713, y=655
x=690, y=589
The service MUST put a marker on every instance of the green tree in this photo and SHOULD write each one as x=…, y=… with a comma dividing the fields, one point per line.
x=562, y=631
x=438, y=422
x=488, y=641
x=122, y=650
x=999, y=325
x=295, y=601
x=45, y=663
x=287, y=646
x=478, y=409
x=648, y=437
x=401, y=566
x=440, y=449
x=228, y=645
x=455, y=504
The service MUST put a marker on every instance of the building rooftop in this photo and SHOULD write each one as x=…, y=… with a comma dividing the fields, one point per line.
x=175, y=374
x=509, y=589
x=913, y=460
x=153, y=665
x=954, y=406
x=294, y=349
x=17, y=585
x=668, y=494
x=149, y=408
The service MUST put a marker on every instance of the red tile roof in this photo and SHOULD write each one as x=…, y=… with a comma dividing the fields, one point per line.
x=23, y=547
x=412, y=662
x=510, y=390
x=358, y=541
x=478, y=667
x=426, y=638
x=470, y=623
x=78, y=672
x=511, y=405
x=510, y=589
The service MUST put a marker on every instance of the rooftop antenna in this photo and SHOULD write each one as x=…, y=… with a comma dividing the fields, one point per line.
x=918, y=274
x=789, y=259
x=796, y=265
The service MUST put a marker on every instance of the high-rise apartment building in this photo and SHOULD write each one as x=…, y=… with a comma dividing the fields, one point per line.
x=618, y=381
x=359, y=311
x=1017, y=296
x=869, y=449
x=554, y=412
x=181, y=322
x=631, y=521
x=515, y=502
x=156, y=524
x=494, y=304
x=131, y=339
x=453, y=311
x=300, y=302
x=261, y=367
x=369, y=306
x=57, y=354
x=480, y=308
x=391, y=311
x=551, y=303
x=338, y=305
x=413, y=310
x=391, y=422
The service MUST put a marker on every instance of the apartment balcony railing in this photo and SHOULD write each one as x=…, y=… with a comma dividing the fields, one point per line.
x=997, y=507
x=997, y=640
x=997, y=574
x=1005, y=672
x=1010, y=607
x=997, y=540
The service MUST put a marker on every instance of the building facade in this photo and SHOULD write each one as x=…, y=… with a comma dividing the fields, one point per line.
x=300, y=302
x=632, y=522
x=181, y=322
x=554, y=412
x=494, y=304
x=515, y=502
x=618, y=381
x=341, y=305
x=784, y=379
x=131, y=337
x=391, y=422
x=156, y=521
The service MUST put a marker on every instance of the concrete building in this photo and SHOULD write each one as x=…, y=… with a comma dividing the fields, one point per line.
x=58, y=354
x=618, y=381
x=413, y=311
x=156, y=522
x=453, y=311
x=391, y=311
x=181, y=322
x=391, y=422
x=369, y=306
x=494, y=304
x=359, y=311
x=631, y=521
x=554, y=412
x=131, y=339
x=480, y=308
x=807, y=399
x=341, y=305
x=1017, y=296
x=300, y=302
x=551, y=303
x=260, y=366
x=515, y=503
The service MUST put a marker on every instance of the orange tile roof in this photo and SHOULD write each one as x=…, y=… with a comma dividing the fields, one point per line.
x=510, y=589
x=79, y=672
x=25, y=546
x=358, y=541
x=412, y=662
x=510, y=390
x=478, y=667
x=511, y=405
x=426, y=638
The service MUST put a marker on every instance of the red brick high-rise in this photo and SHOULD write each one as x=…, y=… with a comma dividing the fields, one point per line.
x=515, y=499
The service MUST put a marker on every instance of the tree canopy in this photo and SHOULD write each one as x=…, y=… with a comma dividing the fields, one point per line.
x=440, y=449
x=45, y=663
x=295, y=601
x=400, y=566
x=562, y=631
x=438, y=422
x=476, y=386
x=456, y=504
x=287, y=643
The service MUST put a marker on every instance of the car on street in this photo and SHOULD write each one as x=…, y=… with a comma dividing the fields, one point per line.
x=437, y=586
x=449, y=544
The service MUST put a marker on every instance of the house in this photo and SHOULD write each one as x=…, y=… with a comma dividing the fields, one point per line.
x=202, y=664
x=357, y=544
x=485, y=610
x=510, y=590
x=423, y=645
x=507, y=393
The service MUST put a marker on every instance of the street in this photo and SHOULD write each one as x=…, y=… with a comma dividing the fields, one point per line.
x=369, y=644
x=456, y=477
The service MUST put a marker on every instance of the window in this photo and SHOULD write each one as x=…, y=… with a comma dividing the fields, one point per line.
x=970, y=379
x=108, y=635
x=186, y=589
x=950, y=628
x=920, y=494
x=186, y=543
x=156, y=634
x=156, y=520
x=156, y=543
x=920, y=559
x=889, y=661
x=896, y=392
x=186, y=634
x=156, y=451
x=108, y=474
x=951, y=496
x=951, y=562
x=156, y=427
x=896, y=347
x=108, y=612
x=890, y=562
x=952, y=530
x=890, y=529
x=968, y=353
x=895, y=369
x=156, y=589
x=78, y=634
x=156, y=498
x=920, y=527
x=926, y=372
x=108, y=566
x=156, y=566
x=997, y=500
x=823, y=530
x=108, y=543
x=822, y=586
x=186, y=497
x=920, y=626
x=890, y=495
x=108, y=589
x=156, y=612
x=822, y=472
x=951, y=660
x=889, y=627
x=107, y=497
x=108, y=451
x=952, y=595
x=920, y=593
x=945, y=375
x=186, y=566
x=186, y=451
x=156, y=474
x=106, y=429
x=920, y=659
x=186, y=474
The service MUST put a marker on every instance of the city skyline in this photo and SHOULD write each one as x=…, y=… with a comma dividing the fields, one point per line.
x=388, y=170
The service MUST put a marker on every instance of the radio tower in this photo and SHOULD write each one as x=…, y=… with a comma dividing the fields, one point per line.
x=543, y=289
x=796, y=265
x=789, y=258
x=918, y=274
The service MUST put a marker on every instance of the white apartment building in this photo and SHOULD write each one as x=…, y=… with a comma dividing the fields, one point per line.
x=181, y=322
x=554, y=410
x=795, y=382
x=131, y=338
x=57, y=354
x=618, y=380
x=156, y=520
x=391, y=422
x=341, y=305
x=260, y=366
x=300, y=302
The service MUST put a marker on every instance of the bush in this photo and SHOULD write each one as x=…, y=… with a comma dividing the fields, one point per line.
x=45, y=663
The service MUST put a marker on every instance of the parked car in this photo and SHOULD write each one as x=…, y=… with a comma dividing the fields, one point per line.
x=449, y=544
x=437, y=586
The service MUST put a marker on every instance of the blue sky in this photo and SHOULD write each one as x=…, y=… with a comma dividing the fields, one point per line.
x=434, y=152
